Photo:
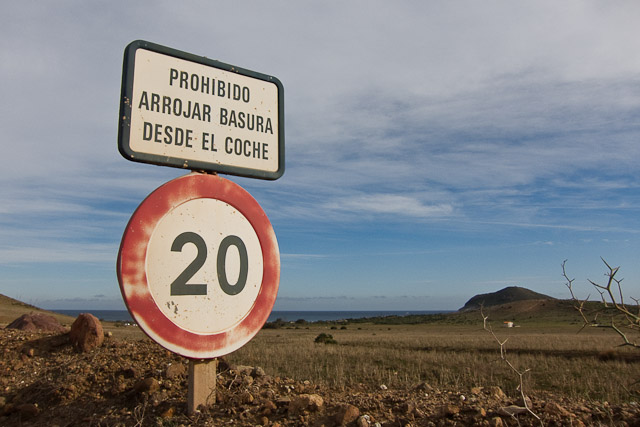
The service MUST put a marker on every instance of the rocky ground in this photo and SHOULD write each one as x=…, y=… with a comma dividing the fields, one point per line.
x=44, y=380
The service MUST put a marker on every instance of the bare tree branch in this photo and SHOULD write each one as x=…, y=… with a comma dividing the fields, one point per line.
x=503, y=356
x=612, y=296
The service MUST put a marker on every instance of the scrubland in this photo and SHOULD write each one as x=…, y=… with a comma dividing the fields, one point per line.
x=562, y=359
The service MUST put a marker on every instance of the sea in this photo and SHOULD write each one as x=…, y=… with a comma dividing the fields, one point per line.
x=287, y=316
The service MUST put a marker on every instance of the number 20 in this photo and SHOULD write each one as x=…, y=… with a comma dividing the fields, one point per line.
x=180, y=286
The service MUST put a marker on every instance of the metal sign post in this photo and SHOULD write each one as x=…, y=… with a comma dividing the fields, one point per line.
x=199, y=264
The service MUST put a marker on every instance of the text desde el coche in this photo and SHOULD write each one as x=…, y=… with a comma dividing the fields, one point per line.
x=231, y=118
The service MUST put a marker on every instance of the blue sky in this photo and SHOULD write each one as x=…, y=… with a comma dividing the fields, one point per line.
x=434, y=150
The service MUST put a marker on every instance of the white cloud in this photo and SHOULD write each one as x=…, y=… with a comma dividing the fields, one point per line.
x=394, y=204
x=48, y=251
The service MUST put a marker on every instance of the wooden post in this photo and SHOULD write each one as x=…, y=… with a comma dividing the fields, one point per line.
x=202, y=384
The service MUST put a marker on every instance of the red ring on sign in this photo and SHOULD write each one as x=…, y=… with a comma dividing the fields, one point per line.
x=132, y=274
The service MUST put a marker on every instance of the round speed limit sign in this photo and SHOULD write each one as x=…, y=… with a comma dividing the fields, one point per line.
x=199, y=266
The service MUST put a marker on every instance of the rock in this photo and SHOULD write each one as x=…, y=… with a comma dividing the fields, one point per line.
x=246, y=397
x=261, y=381
x=37, y=321
x=496, y=393
x=496, y=422
x=147, y=385
x=554, y=409
x=283, y=401
x=169, y=413
x=175, y=370
x=450, y=409
x=247, y=380
x=243, y=370
x=269, y=408
x=258, y=372
x=130, y=372
x=347, y=414
x=305, y=402
x=86, y=332
x=364, y=421
x=28, y=351
x=424, y=387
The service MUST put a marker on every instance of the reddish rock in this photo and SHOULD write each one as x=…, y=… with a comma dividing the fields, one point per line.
x=476, y=390
x=247, y=380
x=169, y=413
x=364, y=421
x=496, y=393
x=305, y=402
x=28, y=351
x=37, y=321
x=347, y=414
x=246, y=397
x=258, y=372
x=147, y=385
x=449, y=409
x=86, y=332
x=175, y=370
x=268, y=407
x=555, y=409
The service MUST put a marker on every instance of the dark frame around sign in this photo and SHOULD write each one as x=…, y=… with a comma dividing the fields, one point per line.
x=126, y=110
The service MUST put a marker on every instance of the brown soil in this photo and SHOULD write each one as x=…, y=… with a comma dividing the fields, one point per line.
x=44, y=381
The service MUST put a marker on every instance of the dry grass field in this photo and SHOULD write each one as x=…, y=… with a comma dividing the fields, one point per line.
x=426, y=365
x=452, y=352
x=588, y=364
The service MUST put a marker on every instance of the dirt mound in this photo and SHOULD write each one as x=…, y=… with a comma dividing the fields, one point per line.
x=45, y=381
x=37, y=322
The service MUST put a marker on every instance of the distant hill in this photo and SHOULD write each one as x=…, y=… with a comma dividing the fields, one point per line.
x=504, y=296
x=11, y=309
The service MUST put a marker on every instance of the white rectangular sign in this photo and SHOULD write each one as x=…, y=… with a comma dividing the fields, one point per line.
x=185, y=111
